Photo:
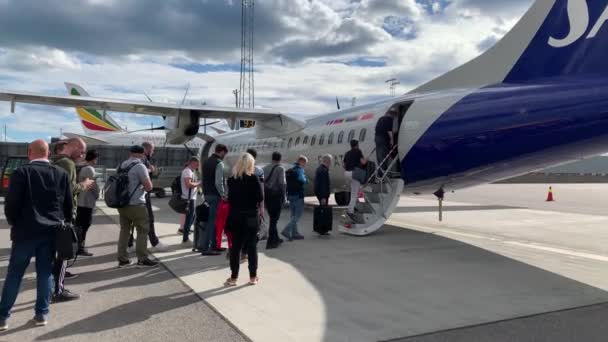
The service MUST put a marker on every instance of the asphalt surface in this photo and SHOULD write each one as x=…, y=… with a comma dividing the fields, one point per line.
x=578, y=324
x=128, y=304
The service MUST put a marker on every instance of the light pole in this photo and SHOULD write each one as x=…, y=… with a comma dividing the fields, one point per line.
x=392, y=84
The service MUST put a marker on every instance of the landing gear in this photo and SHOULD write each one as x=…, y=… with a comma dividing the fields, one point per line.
x=440, y=194
x=342, y=198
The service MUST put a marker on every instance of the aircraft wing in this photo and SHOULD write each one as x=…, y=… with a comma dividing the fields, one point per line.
x=274, y=120
x=87, y=139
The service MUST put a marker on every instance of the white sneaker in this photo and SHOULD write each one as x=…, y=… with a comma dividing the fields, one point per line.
x=131, y=249
x=160, y=247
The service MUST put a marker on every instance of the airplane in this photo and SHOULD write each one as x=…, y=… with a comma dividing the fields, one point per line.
x=102, y=129
x=536, y=99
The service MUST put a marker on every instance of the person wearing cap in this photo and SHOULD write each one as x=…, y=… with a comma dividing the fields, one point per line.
x=190, y=185
x=135, y=214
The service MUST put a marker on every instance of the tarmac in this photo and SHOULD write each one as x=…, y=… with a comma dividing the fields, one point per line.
x=503, y=265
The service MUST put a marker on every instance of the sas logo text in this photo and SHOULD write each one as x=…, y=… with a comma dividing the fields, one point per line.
x=578, y=14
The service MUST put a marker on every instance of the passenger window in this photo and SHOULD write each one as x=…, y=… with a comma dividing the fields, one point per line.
x=290, y=143
x=321, y=139
x=341, y=137
x=313, y=140
x=362, y=135
x=351, y=135
x=305, y=140
x=298, y=141
x=330, y=139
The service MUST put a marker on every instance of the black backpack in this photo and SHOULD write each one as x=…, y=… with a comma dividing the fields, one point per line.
x=116, y=189
x=294, y=186
x=176, y=186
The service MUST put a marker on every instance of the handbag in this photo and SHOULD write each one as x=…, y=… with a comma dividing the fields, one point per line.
x=66, y=241
x=360, y=175
x=178, y=204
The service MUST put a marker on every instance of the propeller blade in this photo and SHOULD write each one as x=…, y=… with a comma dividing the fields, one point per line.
x=209, y=123
x=160, y=128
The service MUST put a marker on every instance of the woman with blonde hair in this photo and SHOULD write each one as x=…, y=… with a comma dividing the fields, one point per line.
x=245, y=196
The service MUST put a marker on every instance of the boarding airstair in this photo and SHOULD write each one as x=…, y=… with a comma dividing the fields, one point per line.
x=380, y=197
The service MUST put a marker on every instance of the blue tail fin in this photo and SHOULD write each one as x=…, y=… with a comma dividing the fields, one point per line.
x=572, y=41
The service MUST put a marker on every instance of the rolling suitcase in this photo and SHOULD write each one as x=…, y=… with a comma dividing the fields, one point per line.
x=202, y=216
x=322, y=219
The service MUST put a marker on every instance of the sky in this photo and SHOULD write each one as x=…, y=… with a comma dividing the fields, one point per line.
x=307, y=52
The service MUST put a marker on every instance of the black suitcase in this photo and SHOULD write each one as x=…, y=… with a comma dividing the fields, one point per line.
x=323, y=219
x=202, y=216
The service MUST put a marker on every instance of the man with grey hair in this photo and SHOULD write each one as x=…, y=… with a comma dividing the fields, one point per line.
x=296, y=180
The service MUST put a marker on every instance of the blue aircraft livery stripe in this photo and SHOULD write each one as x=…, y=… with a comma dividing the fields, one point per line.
x=505, y=122
x=579, y=46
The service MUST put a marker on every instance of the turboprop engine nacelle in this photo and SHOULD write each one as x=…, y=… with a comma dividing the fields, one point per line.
x=185, y=127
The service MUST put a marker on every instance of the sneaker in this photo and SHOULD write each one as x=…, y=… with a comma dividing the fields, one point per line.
x=124, y=263
x=70, y=275
x=254, y=281
x=147, y=263
x=3, y=324
x=211, y=253
x=298, y=237
x=180, y=231
x=65, y=296
x=221, y=249
x=230, y=282
x=160, y=247
x=84, y=253
x=40, y=320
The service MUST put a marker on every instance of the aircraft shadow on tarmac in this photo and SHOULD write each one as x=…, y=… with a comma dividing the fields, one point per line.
x=393, y=284
x=401, y=282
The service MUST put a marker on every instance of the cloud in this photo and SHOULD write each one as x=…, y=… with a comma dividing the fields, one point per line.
x=306, y=51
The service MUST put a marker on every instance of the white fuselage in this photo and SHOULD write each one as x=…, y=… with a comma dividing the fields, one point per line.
x=335, y=129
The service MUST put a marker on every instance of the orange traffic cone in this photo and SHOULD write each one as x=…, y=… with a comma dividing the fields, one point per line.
x=550, y=195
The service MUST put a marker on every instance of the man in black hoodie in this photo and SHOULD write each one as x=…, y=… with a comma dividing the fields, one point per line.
x=39, y=199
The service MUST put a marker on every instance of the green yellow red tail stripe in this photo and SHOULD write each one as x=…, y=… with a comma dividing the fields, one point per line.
x=93, y=120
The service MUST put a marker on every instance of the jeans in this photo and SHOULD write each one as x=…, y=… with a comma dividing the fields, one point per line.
x=190, y=216
x=273, y=205
x=355, y=187
x=133, y=215
x=296, y=208
x=209, y=242
x=21, y=253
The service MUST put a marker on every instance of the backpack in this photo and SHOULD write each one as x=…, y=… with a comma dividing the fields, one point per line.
x=177, y=203
x=270, y=192
x=294, y=186
x=116, y=189
x=176, y=186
